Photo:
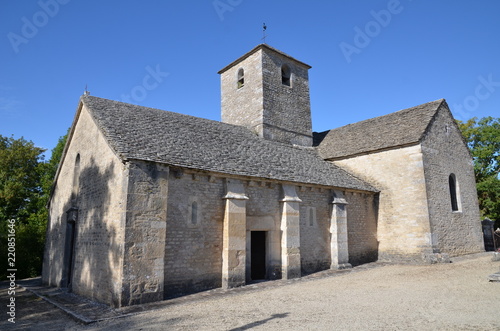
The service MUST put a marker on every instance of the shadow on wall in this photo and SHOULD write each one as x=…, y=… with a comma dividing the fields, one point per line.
x=89, y=237
x=368, y=230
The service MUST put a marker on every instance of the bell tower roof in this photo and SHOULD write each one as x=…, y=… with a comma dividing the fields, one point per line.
x=257, y=48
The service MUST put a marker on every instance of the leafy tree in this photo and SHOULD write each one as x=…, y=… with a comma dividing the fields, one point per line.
x=25, y=183
x=19, y=178
x=488, y=191
x=20, y=192
x=483, y=140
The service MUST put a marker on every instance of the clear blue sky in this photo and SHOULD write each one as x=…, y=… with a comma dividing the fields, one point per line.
x=368, y=58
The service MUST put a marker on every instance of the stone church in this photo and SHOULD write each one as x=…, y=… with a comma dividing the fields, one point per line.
x=150, y=204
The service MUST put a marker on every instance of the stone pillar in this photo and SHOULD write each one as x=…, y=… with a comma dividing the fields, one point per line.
x=338, y=229
x=290, y=234
x=234, y=235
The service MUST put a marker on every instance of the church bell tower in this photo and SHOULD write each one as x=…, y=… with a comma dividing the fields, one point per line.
x=267, y=91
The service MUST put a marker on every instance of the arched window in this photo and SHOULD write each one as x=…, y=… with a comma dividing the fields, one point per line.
x=194, y=213
x=76, y=180
x=241, y=78
x=454, y=193
x=310, y=214
x=286, y=75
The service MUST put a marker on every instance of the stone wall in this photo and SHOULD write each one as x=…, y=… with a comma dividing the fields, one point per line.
x=193, y=247
x=193, y=251
x=287, y=111
x=263, y=104
x=264, y=214
x=143, y=276
x=100, y=199
x=243, y=106
x=454, y=232
x=403, y=218
x=315, y=215
x=362, y=213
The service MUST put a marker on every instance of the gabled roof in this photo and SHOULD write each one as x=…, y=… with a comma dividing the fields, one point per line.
x=141, y=133
x=404, y=127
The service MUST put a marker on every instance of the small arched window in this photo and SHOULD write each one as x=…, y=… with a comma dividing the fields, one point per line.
x=286, y=75
x=241, y=78
x=76, y=180
x=454, y=193
x=194, y=213
x=310, y=213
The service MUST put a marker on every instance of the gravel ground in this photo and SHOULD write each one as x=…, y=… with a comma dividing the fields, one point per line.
x=455, y=296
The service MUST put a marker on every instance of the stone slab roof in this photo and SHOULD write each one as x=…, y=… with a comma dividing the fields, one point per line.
x=141, y=133
x=400, y=128
x=255, y=49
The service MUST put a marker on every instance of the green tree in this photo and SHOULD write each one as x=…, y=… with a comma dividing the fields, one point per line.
x=483, y=140
x=25, y=184
x=21, y=167
x=20, y=174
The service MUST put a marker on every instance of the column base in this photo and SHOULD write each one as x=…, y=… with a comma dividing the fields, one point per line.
x=432, y=258
x=232, y=283
x=291, y=273
x=341, y=266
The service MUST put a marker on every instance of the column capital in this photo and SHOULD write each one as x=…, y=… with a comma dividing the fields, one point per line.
x=339, y=201
x=290, y=194
x=235, y=190
x=235, y=196
x=338, y=198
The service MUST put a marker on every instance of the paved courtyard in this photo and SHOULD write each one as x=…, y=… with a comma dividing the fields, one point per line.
x=454, y=296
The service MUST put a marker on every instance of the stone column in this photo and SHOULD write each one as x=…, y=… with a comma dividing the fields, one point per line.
x=290, y=234
x=338, y=229
x=234, y=235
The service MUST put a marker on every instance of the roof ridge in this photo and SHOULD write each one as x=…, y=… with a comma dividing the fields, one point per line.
x=402, y=127
x=150, y=134
x=255, y=49
x=389, y=114
x=433, y=118
x=162, y=110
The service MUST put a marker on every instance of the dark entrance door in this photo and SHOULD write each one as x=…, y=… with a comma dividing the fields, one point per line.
x=69, y=247
x=258, y=253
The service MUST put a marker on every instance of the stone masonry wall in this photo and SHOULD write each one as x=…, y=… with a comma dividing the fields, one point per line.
x=454, y=232
x=315, y=233
x=143, y=277
x=287, y=110
x=315, y=217
x=265, y=105
x=243, y=106
x=362, y=212
x=98, y=252
x=403, y=218
x=193, y=247
x=264, y=214
x=193, y=251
